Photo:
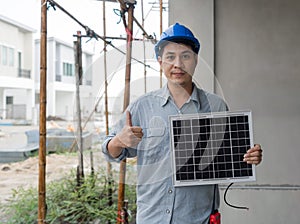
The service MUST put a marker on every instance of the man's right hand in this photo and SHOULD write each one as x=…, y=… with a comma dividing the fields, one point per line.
x=129, y=136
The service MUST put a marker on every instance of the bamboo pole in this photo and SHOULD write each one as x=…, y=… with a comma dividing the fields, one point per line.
x=78, y=75
x=109, y=174
x=42, y=126
x=144, y=48
x=160, y=31
x=121, y=193
x=105, y=70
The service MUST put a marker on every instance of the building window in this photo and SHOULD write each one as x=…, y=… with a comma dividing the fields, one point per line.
x=37, y=98
x=3, y=55
x=9, y=100
x=11, y=58
x=68, y=69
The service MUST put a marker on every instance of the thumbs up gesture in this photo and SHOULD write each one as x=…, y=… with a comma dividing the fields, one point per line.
x=130, y=136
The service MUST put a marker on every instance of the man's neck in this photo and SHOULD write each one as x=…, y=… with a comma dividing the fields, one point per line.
x=180, y=94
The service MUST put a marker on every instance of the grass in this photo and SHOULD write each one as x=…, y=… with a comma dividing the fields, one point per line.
x=68, y=203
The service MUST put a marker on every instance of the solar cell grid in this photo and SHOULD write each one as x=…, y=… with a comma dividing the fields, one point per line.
x=209, y=148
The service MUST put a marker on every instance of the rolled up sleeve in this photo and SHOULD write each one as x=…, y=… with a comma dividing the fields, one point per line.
x=126, y=152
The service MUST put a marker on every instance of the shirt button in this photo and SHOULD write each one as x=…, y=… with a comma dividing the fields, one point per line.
x=168, y=211
x=170, y=191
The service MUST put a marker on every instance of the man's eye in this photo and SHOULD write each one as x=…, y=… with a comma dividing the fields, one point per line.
x=170, y=57
x=186, y=56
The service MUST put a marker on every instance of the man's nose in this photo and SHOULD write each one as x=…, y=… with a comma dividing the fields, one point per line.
x=177, y=62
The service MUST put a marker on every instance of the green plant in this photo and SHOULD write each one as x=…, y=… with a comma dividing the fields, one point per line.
x=69, y=203
x=22, y=206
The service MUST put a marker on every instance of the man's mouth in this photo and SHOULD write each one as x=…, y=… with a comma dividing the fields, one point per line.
x=178, y=73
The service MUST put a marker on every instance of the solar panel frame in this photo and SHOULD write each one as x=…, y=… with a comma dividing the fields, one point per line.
x=208, y=148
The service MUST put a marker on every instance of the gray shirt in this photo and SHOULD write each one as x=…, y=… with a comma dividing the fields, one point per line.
x=157, y=199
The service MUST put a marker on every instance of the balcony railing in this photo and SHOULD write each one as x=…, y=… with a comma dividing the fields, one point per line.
x=71, y=80
x=24, y=73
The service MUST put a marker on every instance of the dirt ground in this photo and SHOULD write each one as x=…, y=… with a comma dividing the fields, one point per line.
x=25, y=173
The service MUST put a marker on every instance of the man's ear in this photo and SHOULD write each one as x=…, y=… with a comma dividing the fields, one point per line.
x=196, y=58
x=159, y=60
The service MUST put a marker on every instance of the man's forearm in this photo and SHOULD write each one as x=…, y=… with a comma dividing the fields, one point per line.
x=115, y=147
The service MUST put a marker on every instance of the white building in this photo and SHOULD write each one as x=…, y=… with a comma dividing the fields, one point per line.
x=61, y=78
x=16, y=76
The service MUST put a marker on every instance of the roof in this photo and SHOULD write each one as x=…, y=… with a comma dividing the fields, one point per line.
x=24, y=28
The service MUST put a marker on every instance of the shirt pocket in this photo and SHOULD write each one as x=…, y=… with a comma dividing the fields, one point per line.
x=155, y=132
x=153, y=137
x=153, y=144
x=154, y=163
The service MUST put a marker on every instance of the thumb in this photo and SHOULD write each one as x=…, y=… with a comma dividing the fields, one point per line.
x=128, y=118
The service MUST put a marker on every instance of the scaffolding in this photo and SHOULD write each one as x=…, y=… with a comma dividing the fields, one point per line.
x=126, y=7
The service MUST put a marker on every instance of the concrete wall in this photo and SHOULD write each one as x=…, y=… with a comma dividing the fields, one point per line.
x=257, y=67
x=198, y=15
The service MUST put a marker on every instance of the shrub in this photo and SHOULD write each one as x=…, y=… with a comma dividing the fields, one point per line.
x=68, y=203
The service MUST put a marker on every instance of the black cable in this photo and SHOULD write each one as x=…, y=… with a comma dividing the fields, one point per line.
x=118, y=12
x=233, y=206
x=91, y=33
x=214, y=200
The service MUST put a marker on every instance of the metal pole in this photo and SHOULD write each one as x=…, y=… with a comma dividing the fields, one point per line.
x=122, y=177
x=78, y=75
x=42, y=126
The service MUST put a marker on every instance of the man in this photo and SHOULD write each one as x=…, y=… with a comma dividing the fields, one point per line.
x=143, y=132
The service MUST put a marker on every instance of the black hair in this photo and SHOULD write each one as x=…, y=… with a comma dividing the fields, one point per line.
x=178, y=41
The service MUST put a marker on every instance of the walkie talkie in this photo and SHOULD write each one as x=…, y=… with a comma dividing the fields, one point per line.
x=215, y=218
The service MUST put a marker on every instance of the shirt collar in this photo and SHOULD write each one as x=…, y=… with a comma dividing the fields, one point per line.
x=195, y=97
x=166, y=95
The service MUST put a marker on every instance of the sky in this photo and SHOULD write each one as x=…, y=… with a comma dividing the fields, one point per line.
x=88, y=12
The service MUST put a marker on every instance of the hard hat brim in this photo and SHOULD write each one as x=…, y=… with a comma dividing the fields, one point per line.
x=191, y=41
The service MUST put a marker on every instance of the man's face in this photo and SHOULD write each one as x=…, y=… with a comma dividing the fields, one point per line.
x=178, y=63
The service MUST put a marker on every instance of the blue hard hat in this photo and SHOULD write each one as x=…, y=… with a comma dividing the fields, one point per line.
x=179, y=34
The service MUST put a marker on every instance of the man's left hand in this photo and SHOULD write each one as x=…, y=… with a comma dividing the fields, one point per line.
x=254, y=155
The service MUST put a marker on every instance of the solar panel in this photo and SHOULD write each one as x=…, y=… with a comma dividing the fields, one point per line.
x=209, y=148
